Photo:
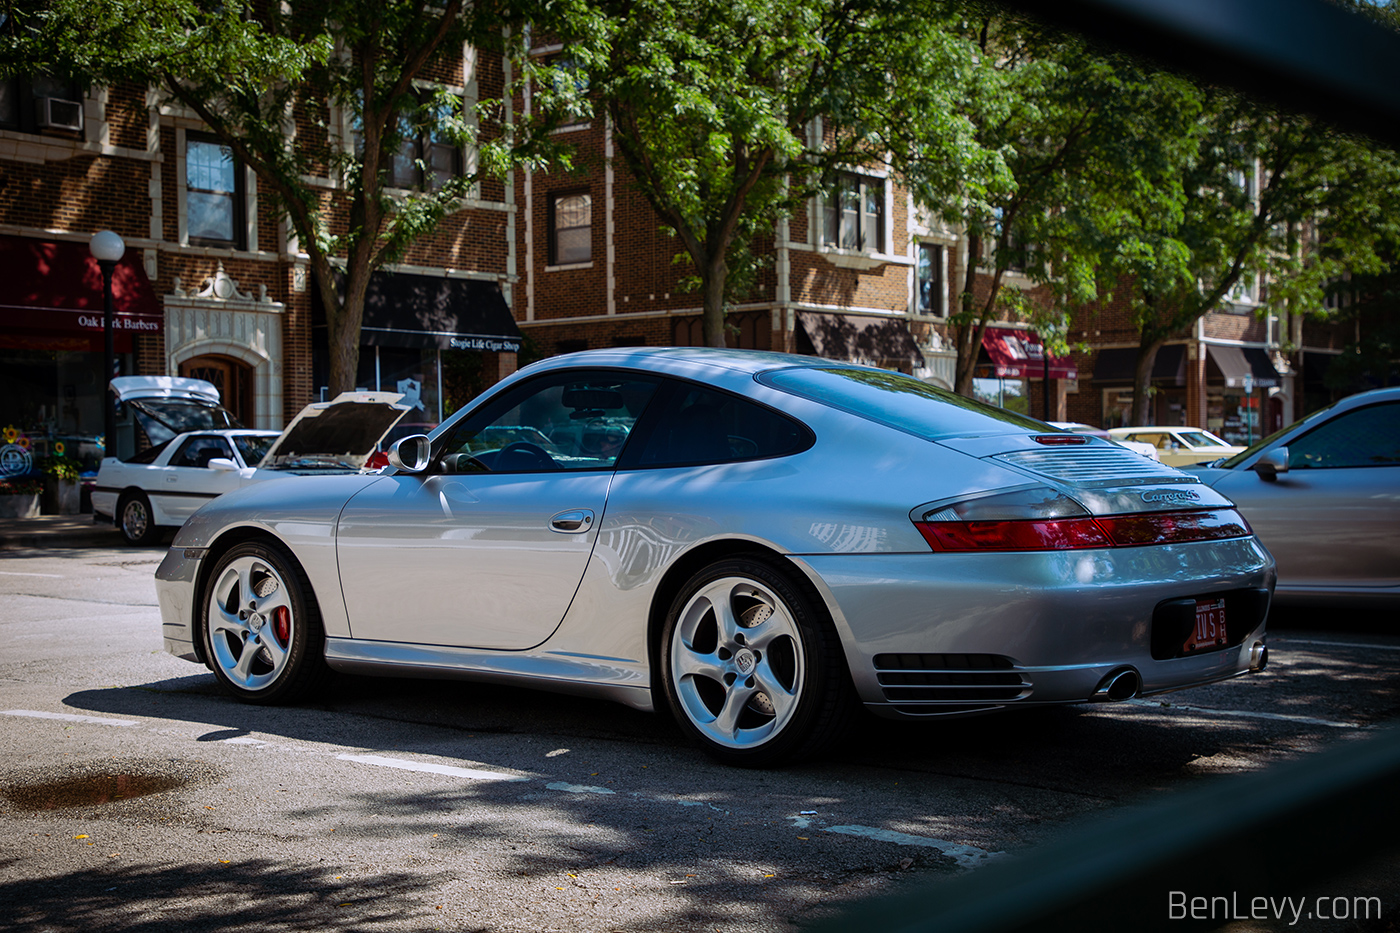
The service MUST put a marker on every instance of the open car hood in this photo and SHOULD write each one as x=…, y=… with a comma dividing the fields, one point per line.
x=336, y=435
x=164, y=406
x=127, y=388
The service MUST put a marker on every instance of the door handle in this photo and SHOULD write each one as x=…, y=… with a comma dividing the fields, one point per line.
x=573, y=521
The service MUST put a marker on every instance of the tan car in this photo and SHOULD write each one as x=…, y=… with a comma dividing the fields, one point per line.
x=1178, y=446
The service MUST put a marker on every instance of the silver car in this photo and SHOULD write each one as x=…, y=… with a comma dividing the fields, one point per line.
x=1324, y=496
x=756, y=542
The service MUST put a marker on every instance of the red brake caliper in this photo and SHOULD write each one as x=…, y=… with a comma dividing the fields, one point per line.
x=282, y=624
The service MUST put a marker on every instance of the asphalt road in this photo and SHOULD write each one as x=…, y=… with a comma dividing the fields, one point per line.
x=135, y=796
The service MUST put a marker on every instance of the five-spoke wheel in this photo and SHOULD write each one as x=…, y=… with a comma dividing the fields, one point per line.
x=261, y=628
x=751, y=666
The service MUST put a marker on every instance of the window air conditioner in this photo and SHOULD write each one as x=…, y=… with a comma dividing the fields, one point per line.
x=58, y=114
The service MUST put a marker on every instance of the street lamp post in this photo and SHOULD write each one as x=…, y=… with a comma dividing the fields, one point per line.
x=107, y=248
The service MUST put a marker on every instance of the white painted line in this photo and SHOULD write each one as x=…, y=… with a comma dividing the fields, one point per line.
x=69, y=717
x=578, y=788
x=1331, y=644
x=1246, y=714
x=965, y=856
x=23, y=573
x=449, y=770
x=243, y=740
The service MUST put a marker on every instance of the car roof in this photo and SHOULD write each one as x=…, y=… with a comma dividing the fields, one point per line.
x=680, y=360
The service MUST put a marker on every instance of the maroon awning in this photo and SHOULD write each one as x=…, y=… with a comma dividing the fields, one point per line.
x=1019, y=354
x=51, y=293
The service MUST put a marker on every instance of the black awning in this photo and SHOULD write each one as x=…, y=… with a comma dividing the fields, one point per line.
x=1117, y=365
x=403, y=310
x=854, y=337
x=1239, y=364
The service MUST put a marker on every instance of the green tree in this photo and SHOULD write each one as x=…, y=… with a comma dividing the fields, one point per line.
x=726, y=112
x=1277, y=205
x=254, y=72
x=1085, y=136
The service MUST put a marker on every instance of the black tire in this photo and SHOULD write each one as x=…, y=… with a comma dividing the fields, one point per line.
x=775, y=688
x=265, y=645
x=134, y=518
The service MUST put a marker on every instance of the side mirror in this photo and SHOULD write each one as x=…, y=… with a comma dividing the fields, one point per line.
x=410, y=454
x=223, y=463
x=1272, y=463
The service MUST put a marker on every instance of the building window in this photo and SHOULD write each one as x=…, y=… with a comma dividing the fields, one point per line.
x=930, y=272
x=32, y=104
x=854, y=213
x=213, y=194
x=570, y=228
x=426, y=159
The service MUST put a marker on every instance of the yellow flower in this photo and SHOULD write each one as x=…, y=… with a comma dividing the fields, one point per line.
x=58, y=448
x=11, y=434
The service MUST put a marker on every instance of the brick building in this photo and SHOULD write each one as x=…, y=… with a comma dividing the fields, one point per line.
x=213, y=283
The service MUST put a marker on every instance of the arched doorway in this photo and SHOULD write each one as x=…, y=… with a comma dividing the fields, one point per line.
x=233, y=379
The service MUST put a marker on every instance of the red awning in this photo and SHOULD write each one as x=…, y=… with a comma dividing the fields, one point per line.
x=1019, y=354
x=52, y=290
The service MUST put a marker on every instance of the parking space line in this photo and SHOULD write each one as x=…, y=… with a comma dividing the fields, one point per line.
x=24, y=573
x=965, y=856
x=1247, y=714
x=68, y=717
x=405, y=765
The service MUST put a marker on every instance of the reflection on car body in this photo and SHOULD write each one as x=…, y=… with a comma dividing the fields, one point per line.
x=775, y=539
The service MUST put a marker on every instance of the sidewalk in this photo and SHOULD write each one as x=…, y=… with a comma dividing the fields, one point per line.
x=58, y=531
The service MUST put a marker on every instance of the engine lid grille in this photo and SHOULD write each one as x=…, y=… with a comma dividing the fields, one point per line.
x=1093, y=465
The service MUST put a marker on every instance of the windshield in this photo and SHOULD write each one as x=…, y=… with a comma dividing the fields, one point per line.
x=1201, y=439
x=899, y=401
x=253, y=447
x=163, y=418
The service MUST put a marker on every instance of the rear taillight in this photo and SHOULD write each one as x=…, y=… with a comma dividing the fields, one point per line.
x=1043, y=519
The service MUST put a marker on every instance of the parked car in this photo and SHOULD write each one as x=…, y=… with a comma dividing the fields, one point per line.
x=162, y=486
x=1324, y=496
x=1137, y=447
x=1178, y=446
x=778, y=538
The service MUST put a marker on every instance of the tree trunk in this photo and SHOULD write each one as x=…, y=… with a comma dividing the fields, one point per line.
x=1142, y=381
x=713, y=277
x=968, y=334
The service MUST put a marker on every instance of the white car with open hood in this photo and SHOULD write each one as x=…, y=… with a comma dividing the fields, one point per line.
x=200, y=452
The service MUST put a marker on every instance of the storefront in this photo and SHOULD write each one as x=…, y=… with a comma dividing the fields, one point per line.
x=418, y=333
x=52, y=389
x=1113, y=377
x=1010, y=362
x=1239, y=405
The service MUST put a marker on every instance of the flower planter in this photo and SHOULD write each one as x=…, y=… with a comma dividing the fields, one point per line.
x=23, y=505
x=61, y=496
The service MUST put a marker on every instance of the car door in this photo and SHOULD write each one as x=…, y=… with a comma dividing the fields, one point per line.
x=1333, y=519
x=487, y=549
x=187, y=482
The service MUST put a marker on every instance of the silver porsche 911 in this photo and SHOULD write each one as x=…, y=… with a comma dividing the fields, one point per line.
x=758, y=542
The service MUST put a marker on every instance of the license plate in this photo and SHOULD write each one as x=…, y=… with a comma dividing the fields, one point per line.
x=1209, y=630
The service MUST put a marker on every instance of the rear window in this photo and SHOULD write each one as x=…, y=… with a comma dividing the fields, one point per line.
x=899, y=401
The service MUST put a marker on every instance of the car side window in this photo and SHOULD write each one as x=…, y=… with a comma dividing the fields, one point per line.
x=1365, y=437
x=562, y=421
x=198, y=451
x=701, y=425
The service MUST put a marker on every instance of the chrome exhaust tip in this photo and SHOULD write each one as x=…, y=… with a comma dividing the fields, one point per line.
x=1119, y=685
x=1258, y=656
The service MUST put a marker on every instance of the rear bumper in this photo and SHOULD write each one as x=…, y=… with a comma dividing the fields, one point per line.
x=940, y=634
